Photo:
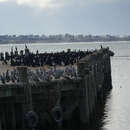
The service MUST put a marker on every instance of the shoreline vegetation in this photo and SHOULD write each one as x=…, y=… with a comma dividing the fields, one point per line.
x=10, y=39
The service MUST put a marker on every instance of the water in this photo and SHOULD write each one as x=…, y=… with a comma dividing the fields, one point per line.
x=117, y=108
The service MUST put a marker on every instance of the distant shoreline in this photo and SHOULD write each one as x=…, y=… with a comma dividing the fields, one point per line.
x=60, y=38
x=42, y=42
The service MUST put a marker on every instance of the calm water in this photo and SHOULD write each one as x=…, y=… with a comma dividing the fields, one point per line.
x=117, y=107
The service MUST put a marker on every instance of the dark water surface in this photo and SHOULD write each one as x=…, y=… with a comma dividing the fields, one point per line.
x=116, y=113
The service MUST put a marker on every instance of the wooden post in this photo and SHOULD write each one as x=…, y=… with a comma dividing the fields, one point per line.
x=4, y=116
x=13, y=117
x=0, y=124
x=84, y=102
x=83, y=71
x=23, y=78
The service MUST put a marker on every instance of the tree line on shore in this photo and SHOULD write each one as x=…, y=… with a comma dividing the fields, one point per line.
x=60, y=38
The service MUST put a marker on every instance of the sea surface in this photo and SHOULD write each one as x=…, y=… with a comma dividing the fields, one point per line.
x=116, y=114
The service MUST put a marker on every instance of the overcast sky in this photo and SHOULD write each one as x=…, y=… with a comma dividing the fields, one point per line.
x=65, y=16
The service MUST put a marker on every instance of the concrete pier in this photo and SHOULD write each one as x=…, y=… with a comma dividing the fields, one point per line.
x=44, y=104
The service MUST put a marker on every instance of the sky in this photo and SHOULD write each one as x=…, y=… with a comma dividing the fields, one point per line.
x=96, y=17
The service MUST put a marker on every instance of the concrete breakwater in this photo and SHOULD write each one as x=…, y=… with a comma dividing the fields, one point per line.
x=39, y=105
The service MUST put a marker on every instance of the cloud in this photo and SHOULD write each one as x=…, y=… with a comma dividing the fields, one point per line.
x=106, y=1
x=39, y=3
x=55, y=3
x=1, y=1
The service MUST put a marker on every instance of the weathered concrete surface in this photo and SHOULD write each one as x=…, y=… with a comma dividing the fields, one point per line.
x=64, y=96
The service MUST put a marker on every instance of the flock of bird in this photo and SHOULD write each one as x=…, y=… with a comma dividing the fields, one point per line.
x=40, y=74
x=27, y=58
x=10, y=76
x=66, y=61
